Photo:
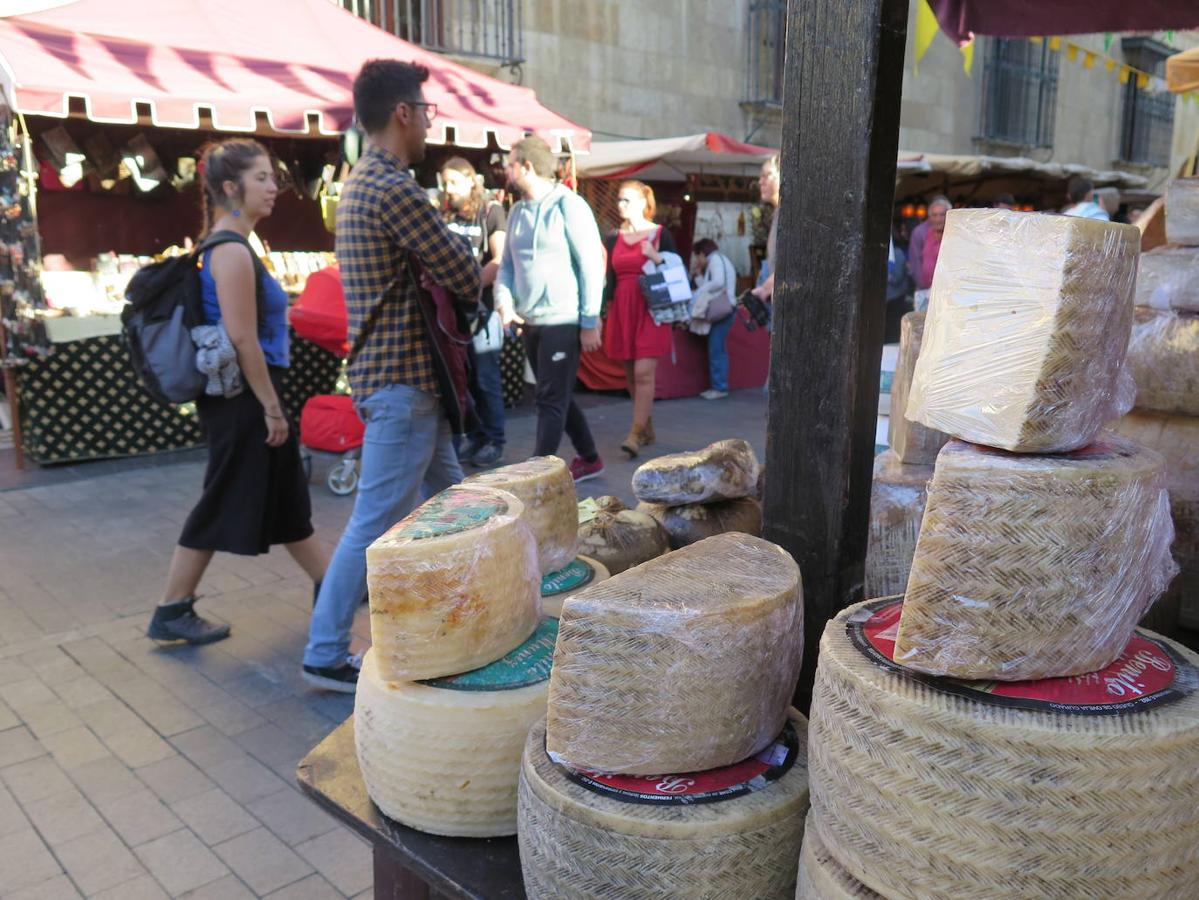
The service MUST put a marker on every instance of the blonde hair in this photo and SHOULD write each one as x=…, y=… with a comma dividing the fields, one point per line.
x=645, y=191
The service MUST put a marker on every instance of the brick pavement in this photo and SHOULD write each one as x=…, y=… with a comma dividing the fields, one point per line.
x=130, y=769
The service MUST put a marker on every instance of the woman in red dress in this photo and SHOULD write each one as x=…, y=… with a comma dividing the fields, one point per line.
x=630, y=334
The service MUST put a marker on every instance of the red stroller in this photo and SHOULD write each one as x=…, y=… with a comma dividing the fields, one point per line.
x=328, y=422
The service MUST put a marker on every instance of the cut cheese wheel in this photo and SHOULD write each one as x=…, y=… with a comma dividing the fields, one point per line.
x=821, y=877
x=546, y=488
x=897, y=498
x=1027, y=328
x=1163, y=356
x=454, y=586
x=1182, y=212
x=695, y=521
x=621, y=538
x=443, y=756
x=568, y=581
x=1168, y=278
x=684, y=663
x=729, y=833
x=911, y=441
x=933, y=789
x=725, y=470
x=1035, y=566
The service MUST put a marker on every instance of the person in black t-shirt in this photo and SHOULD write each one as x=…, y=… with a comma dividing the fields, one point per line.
x=482, y=222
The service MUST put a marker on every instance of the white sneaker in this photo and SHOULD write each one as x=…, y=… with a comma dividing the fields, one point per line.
x=713, y=394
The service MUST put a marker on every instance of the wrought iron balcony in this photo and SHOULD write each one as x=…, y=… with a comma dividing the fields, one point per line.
x=477, y=29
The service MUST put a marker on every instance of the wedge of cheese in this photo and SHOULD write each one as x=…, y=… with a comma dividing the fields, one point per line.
x=1027, y=329
x=686, y=662
x=897, y=498
x=1168, y=278
x=1182, y=212
x=695, y=521
x=726, y=470
x=1163, y=357
x=912, y=442
x=454, y=586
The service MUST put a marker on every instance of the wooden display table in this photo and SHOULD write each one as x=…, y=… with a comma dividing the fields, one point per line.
x=409, y=864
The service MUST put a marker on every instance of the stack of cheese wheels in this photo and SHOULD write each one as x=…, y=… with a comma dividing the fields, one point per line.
x=703, y=493
x=546, y=488
x=1163, y=356
x=929, y=789
x=558, y=586
x=731, y=832
x=821, y=877
x=897, y=497
x=912, y=443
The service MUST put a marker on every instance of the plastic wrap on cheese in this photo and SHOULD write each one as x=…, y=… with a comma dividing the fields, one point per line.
x=912, y=442
x=621, y=538
x=726, y=470
x=546, y=488
x=1168, y=278
x=1027, y=330
x=1163, y=357
x=682, y=664
x=695, y=521
x=453, y=586
x=897, y=498
x=1182, y=212
x=1032, y=566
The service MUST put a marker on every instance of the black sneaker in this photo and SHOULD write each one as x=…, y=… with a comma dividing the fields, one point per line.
x=343, y=678
x=178, y=622
x=487, y=455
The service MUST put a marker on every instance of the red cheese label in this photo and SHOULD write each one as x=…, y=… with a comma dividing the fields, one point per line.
x=1147, y=674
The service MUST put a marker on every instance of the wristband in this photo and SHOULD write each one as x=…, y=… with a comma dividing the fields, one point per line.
x=269, y=416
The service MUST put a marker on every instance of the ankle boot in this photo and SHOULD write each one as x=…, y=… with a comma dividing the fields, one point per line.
x=647, y=435
x=634, y=442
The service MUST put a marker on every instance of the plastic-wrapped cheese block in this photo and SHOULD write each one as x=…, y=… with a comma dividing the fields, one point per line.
x=1182, y=212
x=1168, y=278
x=453, y=586
x=725, y=470
x=729, y=833
x=558, y=586
x=897, y=498
x=913, y=443
x=1035, y=566
x=443, y=756
x=1176, y=438
x=695, y=521
x=1163, y=357
x=620, y=538
x=821, y=877
x=686, y=662
x=545, y=486
x=1027, y=328
x=932, y=789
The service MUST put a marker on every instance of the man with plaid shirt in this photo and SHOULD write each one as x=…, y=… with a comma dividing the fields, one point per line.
x=401, y=381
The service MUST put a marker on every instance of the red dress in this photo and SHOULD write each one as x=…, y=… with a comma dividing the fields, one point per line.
x=630, y=332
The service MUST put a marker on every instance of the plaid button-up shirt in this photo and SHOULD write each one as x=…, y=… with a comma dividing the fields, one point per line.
x=382, y=216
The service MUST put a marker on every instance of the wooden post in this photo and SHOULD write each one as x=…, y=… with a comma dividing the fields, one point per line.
x=844, y=70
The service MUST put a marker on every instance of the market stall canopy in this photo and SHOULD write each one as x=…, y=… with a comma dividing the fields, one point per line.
x=673, y=159
x=1182, y=71
x=962, y=19
x=292, y=61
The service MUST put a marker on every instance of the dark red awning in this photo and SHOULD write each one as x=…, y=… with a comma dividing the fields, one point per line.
x=962, y=19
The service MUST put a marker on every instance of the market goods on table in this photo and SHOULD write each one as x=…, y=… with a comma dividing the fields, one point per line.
x=725, y=470
x=1182, y=212
x=897, y=497
x=620, y=538
x=1163, y=357
x=695, y=521
x=912, y=442
x=821, y=877
x=1168, y=278
x=568, y=581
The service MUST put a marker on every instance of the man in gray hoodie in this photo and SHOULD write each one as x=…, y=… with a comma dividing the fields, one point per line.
x=551, y=283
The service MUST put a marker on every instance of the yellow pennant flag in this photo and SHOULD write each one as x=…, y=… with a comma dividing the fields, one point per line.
x=1125, y=72
x=1036, y=40
x=967, y=57
x=926, y=30
x=1142, y=80
x=1110, y=64
x=1072, y=52
x=1088, y=60
x=1055, y=44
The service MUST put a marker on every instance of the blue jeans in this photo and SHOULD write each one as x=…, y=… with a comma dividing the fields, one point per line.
x=407, y=447
x=487, y=390
x=718, y=354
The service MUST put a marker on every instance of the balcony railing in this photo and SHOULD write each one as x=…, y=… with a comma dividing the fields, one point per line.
x=1019, y=93
x=478, y=29
x=766, y=52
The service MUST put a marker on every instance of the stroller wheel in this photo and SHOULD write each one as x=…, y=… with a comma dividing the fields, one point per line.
x=343, y=477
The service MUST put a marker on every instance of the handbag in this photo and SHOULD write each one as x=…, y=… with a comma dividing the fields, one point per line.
x=757, y=311
x=667, y=290
x=720, y=307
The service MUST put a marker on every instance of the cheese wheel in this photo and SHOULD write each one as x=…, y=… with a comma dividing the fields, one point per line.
x=453, y=586
x=443, y=756
x=821, y=877
x=932, y=789
x=729, y=833
x=1035, y=566
x=911, y=441
x=568, y=581
x=620, y=538
x=1182, y=212
x=1168, y=278
x=897, y=498
x=684, y=663
x=546, y=488
x=1163, y=357
x=695, y=521
x=1027, y=328
x=726, y=470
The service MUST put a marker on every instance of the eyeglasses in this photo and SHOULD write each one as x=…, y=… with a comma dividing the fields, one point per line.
x=429, y=109
x=622, y=200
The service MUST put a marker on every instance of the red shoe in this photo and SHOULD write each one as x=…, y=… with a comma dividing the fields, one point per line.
x=581, y=470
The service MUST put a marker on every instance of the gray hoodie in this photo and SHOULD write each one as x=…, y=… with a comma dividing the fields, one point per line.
x=552, y=270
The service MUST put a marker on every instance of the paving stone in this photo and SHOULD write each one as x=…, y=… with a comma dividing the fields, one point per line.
x=228, y=888
x=270, y=745
x=231, y=717
x=262, y=861
x=245, y=778
x=214, y=816
x=174, y=779
x=292, y=817
x=8, y=718
x=63, y=817
x=314, y=887
x=11, y=817
x=180, y=862
x=57, y=888
x=205, y=746
x=74, y=747
x=125, y=734
x=82, y=691
x=25, y=860
x=98, y=861
x=27, y=695
x=50, y=719
x=342, y=858
x=18, y=745
x=140, y=816
x=142, y=888
x=35, y=779
x=104, y=781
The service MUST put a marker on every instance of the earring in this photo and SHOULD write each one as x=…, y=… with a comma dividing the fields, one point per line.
x=237, y=213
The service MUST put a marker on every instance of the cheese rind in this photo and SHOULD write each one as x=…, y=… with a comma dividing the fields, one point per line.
x=453, y=586
x=558, y=587
x=1168, y=278
x=1027, y=328
x=897, y=497
x=546, y=488
x=1163, y=357
x=1182, y=212
x=1035, y=566
x=912, y=442
x=695, y=521
x=579, y=844
x=684, y=663
x=621, y=538
x=821, y=877
x=725, y=470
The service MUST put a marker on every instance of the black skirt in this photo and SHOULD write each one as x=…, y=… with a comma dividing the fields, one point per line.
x=254, y=495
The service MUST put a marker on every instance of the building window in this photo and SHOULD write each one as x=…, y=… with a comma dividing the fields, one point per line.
x=1019, y=93
x=766, y=52
x=1147, y=120
x=480, y=29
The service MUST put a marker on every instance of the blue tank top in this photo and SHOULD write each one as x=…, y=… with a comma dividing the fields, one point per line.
x=272, y=334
